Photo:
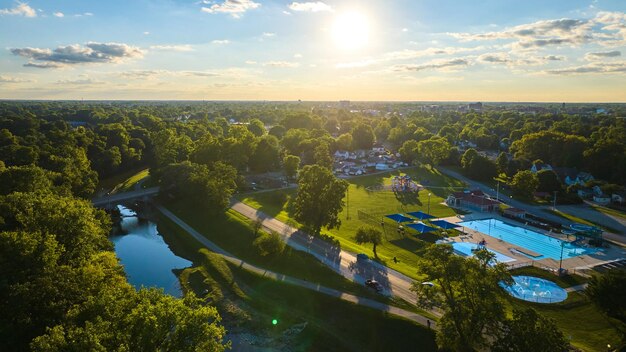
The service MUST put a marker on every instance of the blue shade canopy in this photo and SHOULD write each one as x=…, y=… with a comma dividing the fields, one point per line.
x=444, y=224
x=420, y=215
x=399, y=218
x=421, y=228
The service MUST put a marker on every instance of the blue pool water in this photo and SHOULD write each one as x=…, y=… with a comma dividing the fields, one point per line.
x=546, y=246
x=465, y=248
x=534, y=289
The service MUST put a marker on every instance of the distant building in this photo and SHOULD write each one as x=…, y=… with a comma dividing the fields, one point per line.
x=344, y=104
x=475, y=106
x=618, y=197
x=540, y=166
x=515, y=213
x=475, y=200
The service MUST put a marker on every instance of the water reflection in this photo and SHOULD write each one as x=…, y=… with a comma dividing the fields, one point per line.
x=147, y=259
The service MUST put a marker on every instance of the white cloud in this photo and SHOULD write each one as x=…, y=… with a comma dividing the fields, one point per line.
x=592, y=68
x=180, y=47
x=76, y=54
x=21, y=9
x=407, y=54
x=405, y=30
x=281, y=64
x=9, y=79
x=146, y=33
x=58, y=14
x=297, y=56
x=287, y=13
x=250, y=62
x=316, y=6
x=220, y=41
x=268, y=34
x=79, y=82
x=446, y=64
x=236, y=8
x=602, y=55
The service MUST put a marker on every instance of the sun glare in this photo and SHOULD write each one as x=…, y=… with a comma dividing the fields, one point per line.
x=350, y=30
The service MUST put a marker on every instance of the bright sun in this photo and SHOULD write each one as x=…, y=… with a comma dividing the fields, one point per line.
x=350, y=30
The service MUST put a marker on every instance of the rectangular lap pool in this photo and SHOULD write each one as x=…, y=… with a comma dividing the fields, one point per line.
x=546, y=246
x=465, y=249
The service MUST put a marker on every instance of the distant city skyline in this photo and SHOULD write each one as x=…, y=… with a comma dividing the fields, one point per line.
x=444, y=50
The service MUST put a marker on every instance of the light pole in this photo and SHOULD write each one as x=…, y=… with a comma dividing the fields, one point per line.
x=554, y=204
x=498, y=191
x=428, y=211
x=561, y=260
x=348, y=203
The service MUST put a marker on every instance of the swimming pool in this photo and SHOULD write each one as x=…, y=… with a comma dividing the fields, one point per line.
x=465, y=249
x=534, y=289
x=545, y=246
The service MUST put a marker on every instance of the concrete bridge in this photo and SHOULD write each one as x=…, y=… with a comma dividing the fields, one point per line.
x=113, y=199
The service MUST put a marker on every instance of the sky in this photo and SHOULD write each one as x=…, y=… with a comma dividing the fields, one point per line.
x=395, y=50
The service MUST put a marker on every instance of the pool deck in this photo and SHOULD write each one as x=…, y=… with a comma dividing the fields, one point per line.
x=602, y=256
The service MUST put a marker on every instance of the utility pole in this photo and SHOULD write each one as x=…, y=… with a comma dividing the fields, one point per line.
x=498, y=191
x=428, y=211
x=348, y=203
x=561, y=260
x=554, y=205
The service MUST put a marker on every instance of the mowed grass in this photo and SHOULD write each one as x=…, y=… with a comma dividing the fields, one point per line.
x=573, y=218
x=252, y=302
x=234, y=233
x=366, y=204
x=129, y=183
x=581, y=322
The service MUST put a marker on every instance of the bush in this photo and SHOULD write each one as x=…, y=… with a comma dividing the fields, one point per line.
x=270, y=244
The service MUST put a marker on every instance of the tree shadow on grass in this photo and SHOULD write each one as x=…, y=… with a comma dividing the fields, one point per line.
x=408, y=198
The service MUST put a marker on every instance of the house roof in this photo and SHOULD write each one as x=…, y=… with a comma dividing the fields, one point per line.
x=476, y=197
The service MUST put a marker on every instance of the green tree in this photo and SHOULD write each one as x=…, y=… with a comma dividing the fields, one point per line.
x=24, y=179
x=319, y=199
x=409, y=151
x=256, y=127
x=548, y=181
x=607, y=291
x=266, y=155
x=468, y=292
x=369, y=235
x=269, y=244
x=322, y=156
x=291, y=163
x=363, y=136
x=502, y=163
x=344, y=142
x=525, y=183
x=432, y=151
x=529, y=331
x=467, y=158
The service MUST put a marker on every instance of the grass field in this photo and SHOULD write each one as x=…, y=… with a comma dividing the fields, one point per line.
x=580, y=220
x=249, y=303
x=367, y=205
x=234, y=233
x=129, y=183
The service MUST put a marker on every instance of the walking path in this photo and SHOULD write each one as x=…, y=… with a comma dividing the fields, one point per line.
x=294, y=281
x=341, y=261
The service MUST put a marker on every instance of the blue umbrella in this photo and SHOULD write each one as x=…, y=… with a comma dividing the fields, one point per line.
x=444, y=224
x=420, y=215
x=399, y=218
x=421, y=228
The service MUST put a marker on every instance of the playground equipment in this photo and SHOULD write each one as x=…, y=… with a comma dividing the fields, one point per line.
x=404, y=184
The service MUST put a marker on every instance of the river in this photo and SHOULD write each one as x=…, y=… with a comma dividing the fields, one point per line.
x=147, y=259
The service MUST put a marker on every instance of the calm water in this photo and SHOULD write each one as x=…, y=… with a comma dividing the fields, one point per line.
x=147, y=259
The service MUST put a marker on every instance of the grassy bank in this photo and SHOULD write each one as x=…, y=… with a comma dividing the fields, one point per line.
x=251, y=303
x=367, y=204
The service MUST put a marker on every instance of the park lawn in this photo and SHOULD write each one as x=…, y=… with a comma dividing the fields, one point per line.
x=609, y=211
x=331, y=324
x=367, y=205
x=233, y=232
x=109, y=183
x=129, y=183
x=580, y=321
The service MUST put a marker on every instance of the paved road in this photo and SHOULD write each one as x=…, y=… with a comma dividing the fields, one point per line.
x=341, y=261
x=581, y=211
x=294, y=281
x=119, y=197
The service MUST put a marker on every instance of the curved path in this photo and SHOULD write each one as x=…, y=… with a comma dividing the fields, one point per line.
x=294, y=281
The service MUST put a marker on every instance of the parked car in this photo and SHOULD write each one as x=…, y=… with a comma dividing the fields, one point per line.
x=373, y=284
x=362, y=257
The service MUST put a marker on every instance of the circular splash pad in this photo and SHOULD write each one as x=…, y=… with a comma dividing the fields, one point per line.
x=534, y=289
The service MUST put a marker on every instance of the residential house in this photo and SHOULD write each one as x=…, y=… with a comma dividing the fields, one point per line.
x=618, y=197
x=540, y=166
x=602, y=199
